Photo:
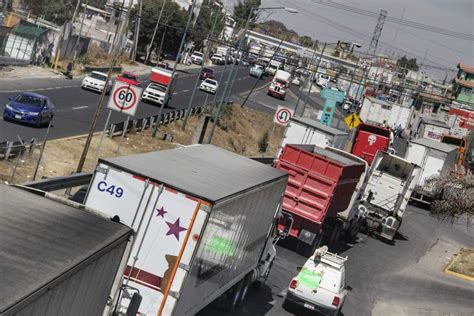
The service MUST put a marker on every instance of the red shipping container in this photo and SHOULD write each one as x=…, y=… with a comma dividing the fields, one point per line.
x=320, y=184
x=369, y=140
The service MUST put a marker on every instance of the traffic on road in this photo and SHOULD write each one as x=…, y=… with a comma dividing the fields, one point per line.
x=312, y=178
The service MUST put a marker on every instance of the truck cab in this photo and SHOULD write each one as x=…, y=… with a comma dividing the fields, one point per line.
x=391, y=181
x=279, y=84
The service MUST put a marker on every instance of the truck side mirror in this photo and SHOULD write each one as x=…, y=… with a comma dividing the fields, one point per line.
x=349, y=288
x=298, y=268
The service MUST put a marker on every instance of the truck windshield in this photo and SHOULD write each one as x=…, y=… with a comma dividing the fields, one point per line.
x=158, y=87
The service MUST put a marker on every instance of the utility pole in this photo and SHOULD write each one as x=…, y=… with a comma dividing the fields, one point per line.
x=61, y=36
x=98, y=109
x=76, y=45
x=206, y=53
x=5, y=7
x=311, y=77
x=150, y=45
x=137, y=30
x=183, y=40
x=312, y=81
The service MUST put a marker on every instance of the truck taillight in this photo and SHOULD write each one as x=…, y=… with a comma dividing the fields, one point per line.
x=293, y=284
x=336, y=300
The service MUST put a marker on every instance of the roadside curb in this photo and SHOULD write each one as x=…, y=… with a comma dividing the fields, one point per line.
x=448, y=270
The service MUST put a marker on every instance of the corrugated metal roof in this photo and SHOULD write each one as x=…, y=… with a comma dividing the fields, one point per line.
x=204, y=171
x=434, y=144
x=41, y=240
x=318, y=125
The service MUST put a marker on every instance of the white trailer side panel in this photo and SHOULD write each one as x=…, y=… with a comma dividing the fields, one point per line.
x=432, y=167
x=415, y=153
x=164, y=222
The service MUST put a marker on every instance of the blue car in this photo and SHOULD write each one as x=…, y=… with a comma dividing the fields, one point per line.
x=31, y=108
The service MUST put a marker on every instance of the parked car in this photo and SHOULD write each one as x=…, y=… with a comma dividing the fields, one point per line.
x=209, y=85
x=129, y=78
x=197, y=58
x=320, y=285
x=206, y=73
x=96, y=81
x=29, y=108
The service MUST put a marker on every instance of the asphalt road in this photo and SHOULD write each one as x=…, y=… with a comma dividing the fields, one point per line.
x=75, y=107
x=404, y=278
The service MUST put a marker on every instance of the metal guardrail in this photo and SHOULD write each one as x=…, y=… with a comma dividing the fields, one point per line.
x=60, y=183
x=140, y=124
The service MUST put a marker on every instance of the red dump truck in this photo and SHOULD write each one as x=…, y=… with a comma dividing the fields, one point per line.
x=321, y=184
x=370, y=139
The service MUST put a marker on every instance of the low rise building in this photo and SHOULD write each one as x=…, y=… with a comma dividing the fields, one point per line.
x=464, y=85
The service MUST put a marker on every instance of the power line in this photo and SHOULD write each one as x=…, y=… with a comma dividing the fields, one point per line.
x=399, y=21
x=365, y=37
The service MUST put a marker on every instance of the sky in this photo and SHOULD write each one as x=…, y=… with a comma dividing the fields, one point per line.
x=328, y=24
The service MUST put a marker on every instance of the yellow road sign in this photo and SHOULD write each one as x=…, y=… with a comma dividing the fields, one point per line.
x=352, y=120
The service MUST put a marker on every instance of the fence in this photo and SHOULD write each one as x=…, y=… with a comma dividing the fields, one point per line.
x=140, y=124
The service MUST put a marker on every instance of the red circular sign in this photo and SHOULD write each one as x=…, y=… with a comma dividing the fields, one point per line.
x=283, y=116
x=124, y=104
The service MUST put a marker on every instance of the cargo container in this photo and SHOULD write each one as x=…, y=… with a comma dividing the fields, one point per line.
x=304, y=131
x=391, y=180
x=205, y=219
x=369, y=139
x=381, y=112
x=321, y=184
x=431, y=128
x=56, y=259
x=434, y=158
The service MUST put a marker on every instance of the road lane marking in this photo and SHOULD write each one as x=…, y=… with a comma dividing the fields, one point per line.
x=175, y=93
x=185, y=90
x=80, y=107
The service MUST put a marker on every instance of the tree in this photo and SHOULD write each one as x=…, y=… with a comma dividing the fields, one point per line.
x=173, y=22
x=407, y=64
x=453, y=195
x=242, y=10
x=204, y=22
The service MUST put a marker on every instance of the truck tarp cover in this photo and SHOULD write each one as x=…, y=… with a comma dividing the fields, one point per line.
x=42, y=241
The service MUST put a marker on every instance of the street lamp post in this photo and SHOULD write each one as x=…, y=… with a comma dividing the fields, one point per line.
x=183, y=39
x=239, y=48
x=206, y=53
x=357, y=66
x=148, y=51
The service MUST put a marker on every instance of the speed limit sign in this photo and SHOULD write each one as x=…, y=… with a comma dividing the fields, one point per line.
x=124, y=98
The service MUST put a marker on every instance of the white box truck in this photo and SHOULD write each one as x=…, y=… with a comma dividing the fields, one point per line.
x=205, y=220
x=434, y=158
x=391, y=181
x=279, y=85
x=431, y=128
x=161, y=87
x=305, y=131
x=381, y=112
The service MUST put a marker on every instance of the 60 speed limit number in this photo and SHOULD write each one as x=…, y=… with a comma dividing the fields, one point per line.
x=124, y=98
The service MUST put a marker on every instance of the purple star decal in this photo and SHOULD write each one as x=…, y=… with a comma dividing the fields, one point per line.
x=175, y=229
x=161, y=212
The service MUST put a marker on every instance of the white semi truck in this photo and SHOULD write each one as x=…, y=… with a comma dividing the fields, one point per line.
x=391, y=181
x=205, y=222
x=305, y=131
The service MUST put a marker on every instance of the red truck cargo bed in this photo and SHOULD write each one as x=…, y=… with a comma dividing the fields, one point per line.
x=320, y=184
x=369, y=140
